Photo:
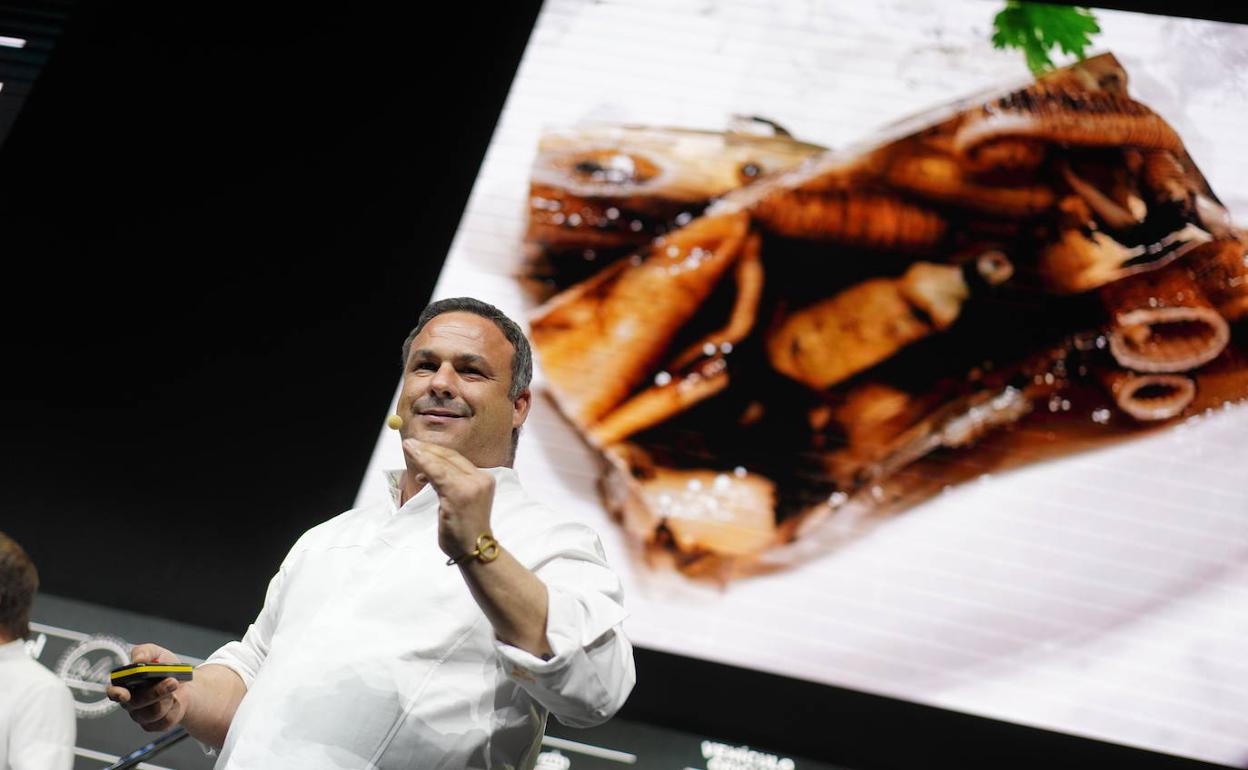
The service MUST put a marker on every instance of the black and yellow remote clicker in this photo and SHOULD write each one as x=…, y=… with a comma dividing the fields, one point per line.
x=135, y=675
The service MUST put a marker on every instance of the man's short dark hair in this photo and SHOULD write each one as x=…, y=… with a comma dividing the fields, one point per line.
x=18, y=582
x=522, y=357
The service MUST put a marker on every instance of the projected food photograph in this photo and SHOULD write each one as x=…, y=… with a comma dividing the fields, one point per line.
x=838, y=325
x=899, y=347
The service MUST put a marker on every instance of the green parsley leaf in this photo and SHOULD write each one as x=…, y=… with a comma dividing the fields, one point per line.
x=1038, y=28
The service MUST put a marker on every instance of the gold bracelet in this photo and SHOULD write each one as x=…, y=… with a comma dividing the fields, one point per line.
x=487, y=551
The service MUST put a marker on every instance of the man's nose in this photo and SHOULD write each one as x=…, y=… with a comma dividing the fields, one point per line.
x=443, y=382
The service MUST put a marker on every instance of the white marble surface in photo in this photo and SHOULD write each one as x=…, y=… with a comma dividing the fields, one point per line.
x=1103, y=594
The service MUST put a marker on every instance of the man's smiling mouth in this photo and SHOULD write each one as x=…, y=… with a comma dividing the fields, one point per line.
x=440, y=413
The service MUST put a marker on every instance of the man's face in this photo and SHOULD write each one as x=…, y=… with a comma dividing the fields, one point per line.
x=455, y=389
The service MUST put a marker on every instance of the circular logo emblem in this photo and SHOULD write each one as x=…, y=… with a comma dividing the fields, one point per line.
x=85, y=668
x=552, y=760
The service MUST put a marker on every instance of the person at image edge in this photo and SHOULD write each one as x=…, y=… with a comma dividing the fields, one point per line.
x=38, y=726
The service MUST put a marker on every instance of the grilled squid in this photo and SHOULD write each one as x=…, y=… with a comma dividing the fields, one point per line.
x=1059, y=115
x=897, y=428
x=665, y=399
x=1116, y=215
x=871, y=416
x=703, y=512
x=1083, y=259
x=1008, y=155
x=942, y=179
x=1162, y=322
x=835, y=338
x=1148, y=397
x=600, y=339
x=1164, y=178
x=699, y=372
x=1221, y=270
x=1169, y=179
x=599, y=192
x=864, y=219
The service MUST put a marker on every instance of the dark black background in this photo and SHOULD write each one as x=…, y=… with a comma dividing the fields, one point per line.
x=218, y=220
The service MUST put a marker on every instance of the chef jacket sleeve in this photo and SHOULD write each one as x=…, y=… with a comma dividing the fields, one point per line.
x=246, y=656
x=591, y=672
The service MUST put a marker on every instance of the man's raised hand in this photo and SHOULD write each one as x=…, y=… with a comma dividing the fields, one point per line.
x=465, y=494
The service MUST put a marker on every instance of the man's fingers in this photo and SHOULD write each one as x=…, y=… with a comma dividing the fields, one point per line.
x=155, y=703
x=453, y=458
x=143, y=696
x=435, y=468
x=165, y=687
x=153, y=714
x=439, y=463
x=151, y=653
x=168, y=721
x=117, y=694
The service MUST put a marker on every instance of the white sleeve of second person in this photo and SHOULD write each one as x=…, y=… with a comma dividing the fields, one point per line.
x=246, y=656
x=592, y=672
x=44, y=732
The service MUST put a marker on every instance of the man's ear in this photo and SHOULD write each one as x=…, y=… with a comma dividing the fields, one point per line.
x=520, y=408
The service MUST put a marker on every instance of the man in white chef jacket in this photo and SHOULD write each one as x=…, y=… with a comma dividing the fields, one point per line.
x=433, y=629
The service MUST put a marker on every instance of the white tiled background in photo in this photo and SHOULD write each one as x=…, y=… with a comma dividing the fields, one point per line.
x=1104, y=594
